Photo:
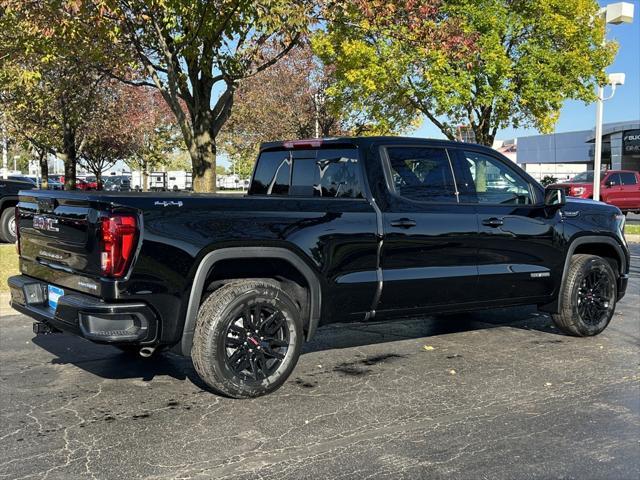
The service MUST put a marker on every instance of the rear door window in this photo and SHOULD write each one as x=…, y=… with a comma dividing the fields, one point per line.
x=422, y=174
x=333, y=173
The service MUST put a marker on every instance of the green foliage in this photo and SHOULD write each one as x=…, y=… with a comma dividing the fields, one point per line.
x=48, y=82
x=178, y=160
x=197, y=52
x=548, y=180
x=495, y=63
x=285, y=101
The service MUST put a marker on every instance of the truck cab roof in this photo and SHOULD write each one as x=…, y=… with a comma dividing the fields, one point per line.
x=364, y=142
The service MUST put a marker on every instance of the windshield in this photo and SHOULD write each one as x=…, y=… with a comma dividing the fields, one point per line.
x=583, y=177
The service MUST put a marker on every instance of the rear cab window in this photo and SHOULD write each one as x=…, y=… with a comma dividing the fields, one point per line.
x=317, y=173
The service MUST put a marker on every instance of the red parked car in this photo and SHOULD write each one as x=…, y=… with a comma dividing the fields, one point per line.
x=80, y=183
x=617, y=187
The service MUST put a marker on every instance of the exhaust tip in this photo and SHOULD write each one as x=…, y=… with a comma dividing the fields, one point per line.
x=146, y=352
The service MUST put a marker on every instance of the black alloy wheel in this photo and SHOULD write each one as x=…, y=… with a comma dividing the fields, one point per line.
x=587, y=297
x=248, y=338
x=594, y=297
x=256, y=342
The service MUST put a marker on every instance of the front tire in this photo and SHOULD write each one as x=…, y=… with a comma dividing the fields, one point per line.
x=248, y=338
x=588, y=297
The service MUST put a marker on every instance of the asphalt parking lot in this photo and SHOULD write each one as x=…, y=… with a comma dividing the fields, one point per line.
x=495, y=394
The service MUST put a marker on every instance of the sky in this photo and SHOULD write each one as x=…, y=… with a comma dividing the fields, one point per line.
x=625, y=105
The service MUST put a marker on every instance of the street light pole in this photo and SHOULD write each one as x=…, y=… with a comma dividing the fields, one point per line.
x=597, y=154
x=614, y=13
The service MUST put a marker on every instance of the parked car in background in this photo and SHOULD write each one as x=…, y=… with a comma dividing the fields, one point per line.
x=54, y=185
x=56, y=178
x=9, y=189
x=81, y=183
x=617, y=187
x=91, y=182
x=23, y=178
x=117, y=183
x=51, y=184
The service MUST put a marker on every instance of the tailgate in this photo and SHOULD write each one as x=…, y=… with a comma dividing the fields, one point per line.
x=60, y=238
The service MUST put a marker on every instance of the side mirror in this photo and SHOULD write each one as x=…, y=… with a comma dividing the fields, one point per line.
x=608, y=183
x=554, y=197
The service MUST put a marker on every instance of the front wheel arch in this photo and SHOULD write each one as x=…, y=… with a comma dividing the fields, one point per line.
x=591, y=244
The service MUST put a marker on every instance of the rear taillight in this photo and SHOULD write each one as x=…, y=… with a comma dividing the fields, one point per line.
x=118, y=236
x=16, y=219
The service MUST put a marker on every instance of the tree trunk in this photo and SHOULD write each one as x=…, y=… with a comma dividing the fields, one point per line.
x=482, y=130
x=44, y=170
x=98, y=174
x=69, y=157
x=203, y=161
x=144, y=178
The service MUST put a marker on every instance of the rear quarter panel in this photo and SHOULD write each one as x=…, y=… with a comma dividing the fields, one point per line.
x=336, y=237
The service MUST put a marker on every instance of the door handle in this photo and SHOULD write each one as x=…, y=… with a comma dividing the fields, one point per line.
x=403, y=223
x=493, y=222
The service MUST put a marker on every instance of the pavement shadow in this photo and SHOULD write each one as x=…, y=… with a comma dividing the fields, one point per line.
x=350, y=335
x=111, y=363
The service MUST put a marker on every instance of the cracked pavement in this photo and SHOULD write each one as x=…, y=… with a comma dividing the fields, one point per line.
x=497, y=394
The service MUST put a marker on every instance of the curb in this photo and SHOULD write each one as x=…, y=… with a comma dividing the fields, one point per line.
x=5, y=309
x=632, y=237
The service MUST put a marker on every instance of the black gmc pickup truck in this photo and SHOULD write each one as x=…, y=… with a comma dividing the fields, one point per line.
x=333, y=230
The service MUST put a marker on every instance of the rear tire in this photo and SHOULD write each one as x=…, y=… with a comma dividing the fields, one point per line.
x=8, y=225
x=588, y=297
x=248, y=338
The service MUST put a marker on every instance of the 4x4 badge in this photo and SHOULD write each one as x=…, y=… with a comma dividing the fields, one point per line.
x=171, y=203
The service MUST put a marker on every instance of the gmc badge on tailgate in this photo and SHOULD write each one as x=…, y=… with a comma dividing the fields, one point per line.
x=45, y=223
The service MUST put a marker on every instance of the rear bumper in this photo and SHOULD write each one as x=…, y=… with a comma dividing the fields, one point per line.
x=84, y=315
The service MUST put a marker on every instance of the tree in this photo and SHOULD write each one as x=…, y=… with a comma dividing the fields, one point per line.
x=486, y=64
x=153, y=127
x=197, y=52
x=111, y=136
x=286, y=101
x=47, y=81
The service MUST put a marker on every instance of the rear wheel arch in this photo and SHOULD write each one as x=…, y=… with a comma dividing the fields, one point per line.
x=202, y=280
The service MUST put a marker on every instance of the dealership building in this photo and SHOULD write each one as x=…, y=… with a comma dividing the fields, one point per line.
x=563, y=155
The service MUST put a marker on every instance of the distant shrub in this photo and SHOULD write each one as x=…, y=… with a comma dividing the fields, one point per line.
x=548, y=180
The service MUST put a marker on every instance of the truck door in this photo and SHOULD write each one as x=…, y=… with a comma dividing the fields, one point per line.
x=428, y=255
x=518, y=252
x=630, y=191
x=611, y=190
